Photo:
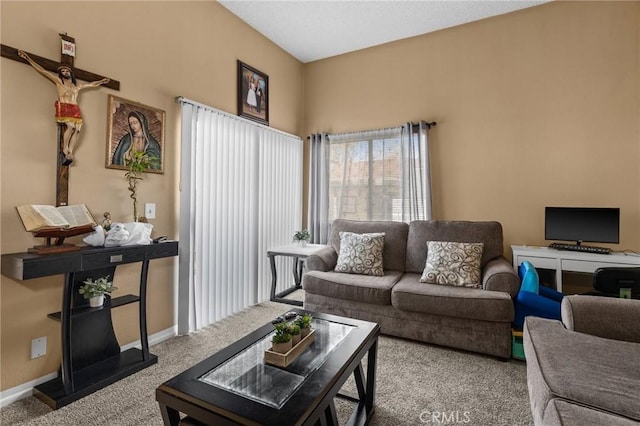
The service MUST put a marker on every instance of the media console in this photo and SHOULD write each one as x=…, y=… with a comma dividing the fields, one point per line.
x=572, y=261
x=91, y=356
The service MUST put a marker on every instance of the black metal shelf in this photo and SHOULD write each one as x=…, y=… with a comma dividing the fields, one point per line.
x=91, y=354
x=109, y=303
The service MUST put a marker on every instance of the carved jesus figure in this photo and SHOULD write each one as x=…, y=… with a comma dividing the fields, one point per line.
x=67, y=109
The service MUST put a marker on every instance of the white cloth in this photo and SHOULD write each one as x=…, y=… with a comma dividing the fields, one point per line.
x=96, y=238
x=121, y=234
x=116, y=236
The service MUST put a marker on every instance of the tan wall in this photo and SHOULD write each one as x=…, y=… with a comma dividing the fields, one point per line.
x=157, y=50
x=534, y=108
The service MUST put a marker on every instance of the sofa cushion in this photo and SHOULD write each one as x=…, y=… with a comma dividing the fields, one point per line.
x=588, y=370
x=451, y=263
x=421, y=231
x=361, y=288
x=560, y=413
x=410, y=294
x=395, y=239
x=361, y=253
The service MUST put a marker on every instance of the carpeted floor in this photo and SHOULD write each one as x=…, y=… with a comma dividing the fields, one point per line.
x=417, y=384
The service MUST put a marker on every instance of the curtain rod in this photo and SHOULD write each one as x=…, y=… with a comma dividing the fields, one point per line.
x=429, y=124
x=183, y=100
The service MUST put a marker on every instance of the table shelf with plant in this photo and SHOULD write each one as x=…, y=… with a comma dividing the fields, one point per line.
x=91, y=355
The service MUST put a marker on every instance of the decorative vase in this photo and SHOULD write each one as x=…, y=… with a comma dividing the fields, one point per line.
x=302, y=243
x=96, y=301
x=282, y=348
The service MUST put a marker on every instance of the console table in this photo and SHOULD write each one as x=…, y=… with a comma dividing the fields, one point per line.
x=91, y=357
x=573, y=261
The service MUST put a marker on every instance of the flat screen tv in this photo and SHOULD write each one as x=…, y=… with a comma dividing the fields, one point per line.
x=591, y=224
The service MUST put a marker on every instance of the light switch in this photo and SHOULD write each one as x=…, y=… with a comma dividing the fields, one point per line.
x=150, y=210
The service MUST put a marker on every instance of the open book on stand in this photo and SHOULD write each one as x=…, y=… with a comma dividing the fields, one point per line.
x=36, y=218
x=56, y=222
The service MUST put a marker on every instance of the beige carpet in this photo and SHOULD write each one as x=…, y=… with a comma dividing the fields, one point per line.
x=417, y=384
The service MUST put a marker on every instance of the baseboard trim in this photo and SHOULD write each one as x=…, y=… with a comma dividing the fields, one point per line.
x=26, y=389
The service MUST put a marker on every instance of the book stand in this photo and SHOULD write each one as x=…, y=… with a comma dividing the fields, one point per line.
x=59, y=234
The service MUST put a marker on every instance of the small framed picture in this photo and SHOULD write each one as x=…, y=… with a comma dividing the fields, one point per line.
x=132, y=126
x=253, y=94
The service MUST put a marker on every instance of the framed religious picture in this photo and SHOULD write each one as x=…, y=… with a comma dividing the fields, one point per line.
x=131, y=127
x=253, y=94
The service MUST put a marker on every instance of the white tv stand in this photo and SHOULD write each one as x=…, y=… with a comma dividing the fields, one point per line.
x=573, y=261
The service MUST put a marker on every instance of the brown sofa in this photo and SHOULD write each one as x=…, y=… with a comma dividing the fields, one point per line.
x=585, y=370
x=466, y=318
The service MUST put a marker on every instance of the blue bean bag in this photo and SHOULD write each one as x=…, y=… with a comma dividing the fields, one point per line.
x=534, y=299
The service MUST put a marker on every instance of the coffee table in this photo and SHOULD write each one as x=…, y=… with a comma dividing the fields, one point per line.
x=235, y=386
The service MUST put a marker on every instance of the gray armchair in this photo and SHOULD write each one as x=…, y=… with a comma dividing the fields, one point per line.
x=585, y=369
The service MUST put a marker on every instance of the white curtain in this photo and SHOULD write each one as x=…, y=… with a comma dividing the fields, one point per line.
x=240, y=194
x=371, y=175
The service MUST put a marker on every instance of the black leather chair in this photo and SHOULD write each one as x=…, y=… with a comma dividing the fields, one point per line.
x=609, y=281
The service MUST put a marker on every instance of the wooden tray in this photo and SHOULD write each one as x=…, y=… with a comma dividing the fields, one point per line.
x=283, y=360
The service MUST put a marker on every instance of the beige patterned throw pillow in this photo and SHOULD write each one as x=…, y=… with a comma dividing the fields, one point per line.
x=456, y=264
x=361, y=253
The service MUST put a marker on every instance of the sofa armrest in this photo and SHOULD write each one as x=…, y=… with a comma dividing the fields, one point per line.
x=498, y=275
x=324, y=260
x=607, y=317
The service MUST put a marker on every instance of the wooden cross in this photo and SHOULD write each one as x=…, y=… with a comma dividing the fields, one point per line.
x=66, y=59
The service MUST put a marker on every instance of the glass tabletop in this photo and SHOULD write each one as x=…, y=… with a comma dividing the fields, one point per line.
x=247, y=375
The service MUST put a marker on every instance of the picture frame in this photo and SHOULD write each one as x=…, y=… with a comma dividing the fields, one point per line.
x=253, y=94
x=131, y=123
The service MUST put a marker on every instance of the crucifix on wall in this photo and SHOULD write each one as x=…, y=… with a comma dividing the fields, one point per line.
x=67, y=110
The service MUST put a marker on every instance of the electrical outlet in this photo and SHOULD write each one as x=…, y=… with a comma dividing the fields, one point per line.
x=38, y=347
x=150, y=210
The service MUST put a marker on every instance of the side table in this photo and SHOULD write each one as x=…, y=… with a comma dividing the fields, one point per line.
x=299, y=255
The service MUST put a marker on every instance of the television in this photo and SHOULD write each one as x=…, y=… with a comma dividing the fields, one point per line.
x=591, y=224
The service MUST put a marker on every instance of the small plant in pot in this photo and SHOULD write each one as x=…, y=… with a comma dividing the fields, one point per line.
x=304, y=322
x=302, y=237
x=94, y=290
x=294, y=331
x=282, y=339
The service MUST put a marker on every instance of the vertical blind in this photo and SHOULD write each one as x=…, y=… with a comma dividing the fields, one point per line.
x=241, y=194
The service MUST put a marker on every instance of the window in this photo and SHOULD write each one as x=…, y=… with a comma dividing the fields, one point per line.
x=370, y=174
x=373, y=175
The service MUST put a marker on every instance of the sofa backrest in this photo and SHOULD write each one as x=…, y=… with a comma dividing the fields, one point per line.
x=421, y=231
x=395, y=239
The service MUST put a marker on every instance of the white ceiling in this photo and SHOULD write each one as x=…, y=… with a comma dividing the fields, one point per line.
x=317, y=29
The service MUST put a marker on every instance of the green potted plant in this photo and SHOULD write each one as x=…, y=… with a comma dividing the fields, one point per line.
x=304, y=322
x=94, y=290
x=302, y=237
x=136, y=165
x=281, y=339
x=294, y=331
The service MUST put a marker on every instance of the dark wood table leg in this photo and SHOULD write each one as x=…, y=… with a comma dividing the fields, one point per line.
x=170, y=417
x=274, y=276
x=331, y=416
x=142, y=308
x=370, y=397
x=66, y=368
x=297, y=271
